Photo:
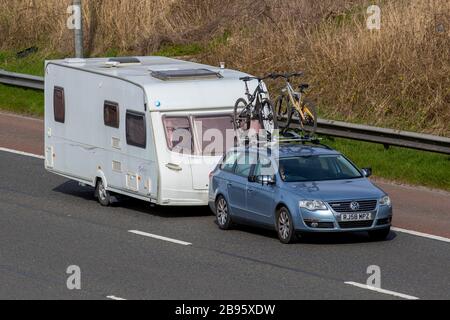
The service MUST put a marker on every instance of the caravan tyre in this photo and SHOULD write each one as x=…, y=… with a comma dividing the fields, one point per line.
x=102, y=194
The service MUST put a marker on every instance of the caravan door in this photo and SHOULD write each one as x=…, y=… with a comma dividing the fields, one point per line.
x=176, y=168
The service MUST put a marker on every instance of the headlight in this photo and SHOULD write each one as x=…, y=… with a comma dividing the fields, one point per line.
x=313, y=205
x=385, y=201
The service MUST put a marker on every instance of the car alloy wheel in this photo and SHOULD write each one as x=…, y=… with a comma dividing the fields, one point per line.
x=222, y=213
x=285, y=226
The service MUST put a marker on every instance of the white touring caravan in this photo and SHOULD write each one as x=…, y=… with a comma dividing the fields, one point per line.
x=111, y=124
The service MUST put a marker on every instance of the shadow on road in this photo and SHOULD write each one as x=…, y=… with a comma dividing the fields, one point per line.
x=317, y=238
x=72, y=188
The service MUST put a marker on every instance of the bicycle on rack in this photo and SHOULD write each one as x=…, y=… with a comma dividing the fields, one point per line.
x=292, y=104
x=257, y=110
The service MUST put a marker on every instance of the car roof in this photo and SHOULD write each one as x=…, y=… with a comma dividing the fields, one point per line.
x=292, y=150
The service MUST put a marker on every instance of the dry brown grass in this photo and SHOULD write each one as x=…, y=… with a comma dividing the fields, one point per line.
x=397, y=77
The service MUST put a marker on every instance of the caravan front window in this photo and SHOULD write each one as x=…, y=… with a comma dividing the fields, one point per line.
x=212, y=134
x=179, y=134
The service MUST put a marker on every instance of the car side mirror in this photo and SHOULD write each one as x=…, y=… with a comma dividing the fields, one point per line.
x=367, y=172
x=266, y=180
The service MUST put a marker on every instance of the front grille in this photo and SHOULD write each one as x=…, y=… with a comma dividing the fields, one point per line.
x=355, y=224
x=345, y=206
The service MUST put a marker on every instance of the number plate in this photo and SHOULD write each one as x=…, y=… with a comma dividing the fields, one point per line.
x=361, y=216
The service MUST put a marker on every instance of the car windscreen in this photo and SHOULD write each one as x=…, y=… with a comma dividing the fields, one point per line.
x=317, y=168
x=212, y=134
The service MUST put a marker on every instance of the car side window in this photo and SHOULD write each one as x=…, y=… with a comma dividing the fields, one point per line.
x=229, y=162
x=264, y=167
x=244, y=165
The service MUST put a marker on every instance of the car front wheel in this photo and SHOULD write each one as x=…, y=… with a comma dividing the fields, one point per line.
x=223, y=214
x=285, y=226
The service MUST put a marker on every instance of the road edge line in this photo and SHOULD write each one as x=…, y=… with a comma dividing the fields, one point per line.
x=421, y=234
x=22, y=153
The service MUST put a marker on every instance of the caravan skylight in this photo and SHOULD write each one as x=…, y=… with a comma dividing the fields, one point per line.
x=186, y=74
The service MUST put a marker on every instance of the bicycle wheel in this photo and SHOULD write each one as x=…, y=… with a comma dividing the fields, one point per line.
x=309, y=110
x=267, y=116
x=282, y=110
x=241, y=115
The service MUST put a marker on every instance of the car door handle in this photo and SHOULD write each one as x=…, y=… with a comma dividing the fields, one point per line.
x=250, y=190
x=174, y=167
x=230, y=184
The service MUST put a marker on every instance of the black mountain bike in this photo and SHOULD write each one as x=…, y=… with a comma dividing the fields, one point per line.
x=258, y=108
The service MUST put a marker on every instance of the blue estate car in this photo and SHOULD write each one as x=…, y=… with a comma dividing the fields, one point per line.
x=303, y=188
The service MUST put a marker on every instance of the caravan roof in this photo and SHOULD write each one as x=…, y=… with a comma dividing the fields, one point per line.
x=170, y=84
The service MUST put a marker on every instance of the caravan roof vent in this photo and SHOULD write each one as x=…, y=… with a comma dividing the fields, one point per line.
x=125, y=60
x=186, y=74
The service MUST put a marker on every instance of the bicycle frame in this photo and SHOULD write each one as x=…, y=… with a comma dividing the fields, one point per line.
x=297, y=104
x=256, y=96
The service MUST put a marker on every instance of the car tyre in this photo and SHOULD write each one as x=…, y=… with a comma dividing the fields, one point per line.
x=285, y=226
x=379, y=235
x=103, y=195
x=223, y=217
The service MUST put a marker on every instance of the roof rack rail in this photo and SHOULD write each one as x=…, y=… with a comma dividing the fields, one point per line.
x=288, y=137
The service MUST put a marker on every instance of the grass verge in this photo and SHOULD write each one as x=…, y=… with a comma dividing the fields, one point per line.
x=398, y=164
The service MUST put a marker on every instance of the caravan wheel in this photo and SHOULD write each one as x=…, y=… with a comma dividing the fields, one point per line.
x=102, y=194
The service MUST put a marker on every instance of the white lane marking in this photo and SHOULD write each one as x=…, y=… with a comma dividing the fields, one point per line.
x=392, y=293
x=115, y=298
x=22, y=153
x=154, y=236
x=420, y=234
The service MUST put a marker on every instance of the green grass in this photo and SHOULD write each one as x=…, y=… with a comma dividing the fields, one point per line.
x=18, y=100
x=398, y=164
x=24, y=101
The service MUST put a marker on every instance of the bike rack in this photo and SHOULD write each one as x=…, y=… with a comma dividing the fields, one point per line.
x=287, y=137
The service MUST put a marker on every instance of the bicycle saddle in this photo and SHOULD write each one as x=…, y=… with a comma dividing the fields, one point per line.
x=303, y=87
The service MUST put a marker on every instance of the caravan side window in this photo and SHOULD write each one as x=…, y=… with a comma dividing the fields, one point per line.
x=136, y=129
x=59, y=104
x=111, y=114
x=179, y=134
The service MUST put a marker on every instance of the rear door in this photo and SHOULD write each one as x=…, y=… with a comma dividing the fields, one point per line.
x=238, y=184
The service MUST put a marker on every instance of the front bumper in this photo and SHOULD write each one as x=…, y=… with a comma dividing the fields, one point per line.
x=329, y=221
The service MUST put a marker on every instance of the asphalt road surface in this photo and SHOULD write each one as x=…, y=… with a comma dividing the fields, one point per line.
x=48, y=223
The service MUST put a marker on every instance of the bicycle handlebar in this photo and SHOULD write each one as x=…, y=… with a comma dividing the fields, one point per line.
x=287, y=75
x=273, y=76
x=256, y=78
